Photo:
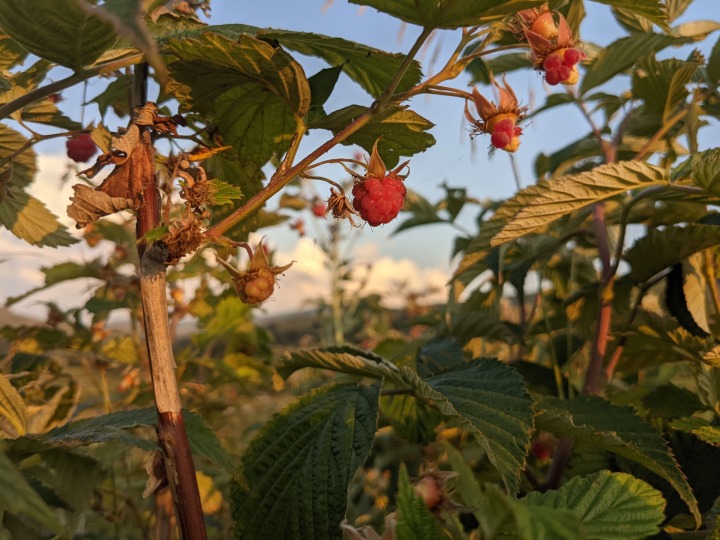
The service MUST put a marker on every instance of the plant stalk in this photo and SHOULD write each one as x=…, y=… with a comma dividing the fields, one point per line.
x=172, y=435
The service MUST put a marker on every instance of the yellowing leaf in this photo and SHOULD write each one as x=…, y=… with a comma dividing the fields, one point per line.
x=12, y=407
x=549, y=200
x=29, y=219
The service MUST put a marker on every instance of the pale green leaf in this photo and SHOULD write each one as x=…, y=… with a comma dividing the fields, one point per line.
x=549, y=200
x=126, y=18
x=57, y=30
x=621, y=54
x=699, y=427
x=696, y=289
x=17, y=497
x=403, y=132
x=342, y=359
x=29, y=219
x=297, y=470
x=20, y=170
x=616, y=429
x=661, y=248
x=490, y=400
x=697, y=30
x=12, y=407
x=222, y=193
x=11, y=53
x=653, y=10
x=611, y=506
x=414, y=520
x=449, y=13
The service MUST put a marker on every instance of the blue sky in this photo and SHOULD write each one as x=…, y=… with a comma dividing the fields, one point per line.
x=419, y=254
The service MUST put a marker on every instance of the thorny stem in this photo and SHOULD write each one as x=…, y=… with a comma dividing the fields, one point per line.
x=400, y=73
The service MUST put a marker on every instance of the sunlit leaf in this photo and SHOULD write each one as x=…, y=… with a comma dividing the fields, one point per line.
x=29, y=219
x=699, y=427
x=549, y=200
x=342, y=359
x=57, y=30
x=12, y=407
x=297, y=470
x=611, y=506
x=617, y=429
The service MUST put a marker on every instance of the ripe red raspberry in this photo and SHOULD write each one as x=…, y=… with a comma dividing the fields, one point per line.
x=318, y=208
x=81, y=147
x=379, y=200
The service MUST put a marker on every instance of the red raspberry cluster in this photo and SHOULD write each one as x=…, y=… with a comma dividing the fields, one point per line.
x=81, y=147
x=559, y=65
x=504, y=132
x=379, y=200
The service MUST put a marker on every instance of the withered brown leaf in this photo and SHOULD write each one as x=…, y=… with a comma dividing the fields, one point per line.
x=128, y=178
x=89, y=205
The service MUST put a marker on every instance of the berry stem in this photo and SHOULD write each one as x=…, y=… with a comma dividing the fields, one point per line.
x=400, y=73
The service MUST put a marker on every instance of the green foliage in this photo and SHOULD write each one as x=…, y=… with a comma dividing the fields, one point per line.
x=536, y=206
x=616, y=429
x=12, y=408
x=60, y=31
x=598, y=278
x=452, y=14
x=18, y=497
x=489, y=400
x=610, y=505
x=414, y=519
x=296, y=472
x=403, y=131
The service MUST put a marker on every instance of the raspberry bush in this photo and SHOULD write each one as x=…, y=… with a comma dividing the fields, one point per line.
x=568, y=388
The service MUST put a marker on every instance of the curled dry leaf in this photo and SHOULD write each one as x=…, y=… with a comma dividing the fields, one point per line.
x=89, y=205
